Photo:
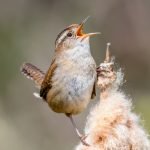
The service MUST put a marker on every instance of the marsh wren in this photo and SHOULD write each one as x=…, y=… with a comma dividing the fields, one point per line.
x=69, y=84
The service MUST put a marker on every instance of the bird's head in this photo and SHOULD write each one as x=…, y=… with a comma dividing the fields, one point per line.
x=73, y=36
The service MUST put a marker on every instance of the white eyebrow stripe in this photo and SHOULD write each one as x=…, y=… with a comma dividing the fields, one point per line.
x=62, y=36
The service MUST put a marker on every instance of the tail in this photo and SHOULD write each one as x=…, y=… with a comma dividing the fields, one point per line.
x=33, y=73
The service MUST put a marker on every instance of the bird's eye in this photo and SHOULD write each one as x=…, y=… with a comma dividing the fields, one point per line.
x=69, y=34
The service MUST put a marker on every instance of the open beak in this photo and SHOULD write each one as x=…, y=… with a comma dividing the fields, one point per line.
x=80, y=33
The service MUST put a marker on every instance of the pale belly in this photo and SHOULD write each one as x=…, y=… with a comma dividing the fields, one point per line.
x=73, y=81
x=71, y=91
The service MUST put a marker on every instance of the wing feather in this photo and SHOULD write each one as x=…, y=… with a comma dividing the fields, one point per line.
x=94, y=91
x=47, y=83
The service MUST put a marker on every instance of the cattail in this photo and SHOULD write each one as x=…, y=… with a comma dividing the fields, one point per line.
x=111, y=124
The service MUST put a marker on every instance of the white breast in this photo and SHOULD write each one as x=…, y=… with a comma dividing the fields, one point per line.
x=73, y=81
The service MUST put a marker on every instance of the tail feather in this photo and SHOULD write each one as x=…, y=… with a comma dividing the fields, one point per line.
x=33, y=73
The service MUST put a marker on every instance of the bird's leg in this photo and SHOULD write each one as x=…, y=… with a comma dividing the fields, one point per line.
x=74, y=126
x=81, y=137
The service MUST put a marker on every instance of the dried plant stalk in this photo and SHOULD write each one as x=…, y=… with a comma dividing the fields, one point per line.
x=111, y=124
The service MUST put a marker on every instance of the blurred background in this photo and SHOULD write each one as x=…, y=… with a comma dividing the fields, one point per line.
x=28, y=29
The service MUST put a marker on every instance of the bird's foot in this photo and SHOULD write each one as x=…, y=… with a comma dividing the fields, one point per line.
x=83, y=139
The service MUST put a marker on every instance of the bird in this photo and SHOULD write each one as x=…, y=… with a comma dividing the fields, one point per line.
x=69, y=83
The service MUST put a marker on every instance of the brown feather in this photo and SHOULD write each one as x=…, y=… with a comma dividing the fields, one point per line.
x=94, y=91
x=47, y=84
x=33, y=73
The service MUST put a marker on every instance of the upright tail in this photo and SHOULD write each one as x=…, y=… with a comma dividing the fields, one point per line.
x=33, y=73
